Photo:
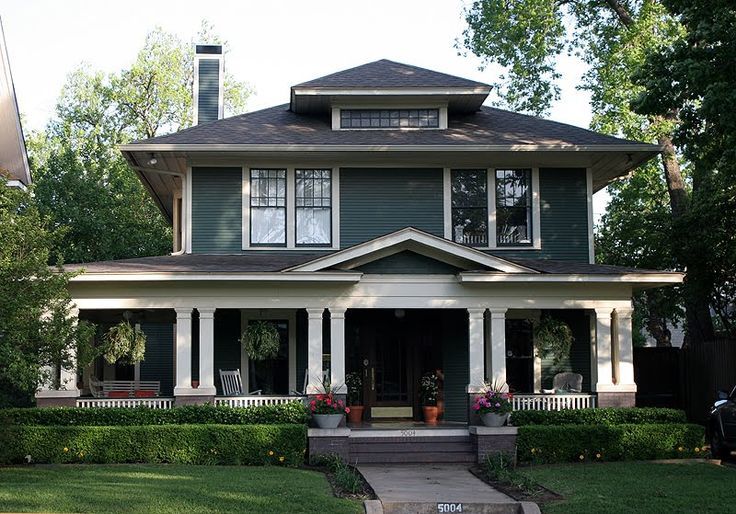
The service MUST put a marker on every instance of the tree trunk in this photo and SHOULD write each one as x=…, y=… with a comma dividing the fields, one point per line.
x=657, y=325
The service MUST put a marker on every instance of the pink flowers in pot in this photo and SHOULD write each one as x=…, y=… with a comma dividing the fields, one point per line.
x=327, y=404
x=493, y=400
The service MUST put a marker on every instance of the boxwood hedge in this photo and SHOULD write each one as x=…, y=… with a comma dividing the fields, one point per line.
x=573, y=443
x=605, y=416
x=290, y=413
x=180, y=444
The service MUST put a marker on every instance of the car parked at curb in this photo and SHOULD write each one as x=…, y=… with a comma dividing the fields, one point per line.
x=721, y=428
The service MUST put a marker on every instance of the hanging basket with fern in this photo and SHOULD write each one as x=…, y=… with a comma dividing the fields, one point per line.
x=124, y=343
x=553, y=339
x=261, y=340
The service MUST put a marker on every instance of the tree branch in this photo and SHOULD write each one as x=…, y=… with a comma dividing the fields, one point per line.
x=621, y=12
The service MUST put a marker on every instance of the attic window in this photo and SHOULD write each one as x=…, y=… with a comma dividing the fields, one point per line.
x=389, y=118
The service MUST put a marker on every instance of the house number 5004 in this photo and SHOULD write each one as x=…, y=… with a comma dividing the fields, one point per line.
x=449, y=507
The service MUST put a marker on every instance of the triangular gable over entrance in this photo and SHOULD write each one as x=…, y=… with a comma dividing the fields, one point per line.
x=417, y=241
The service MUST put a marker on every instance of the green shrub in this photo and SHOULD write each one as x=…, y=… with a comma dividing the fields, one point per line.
x=176, y=444
x=605, y=416
x=290, y=413
x=546, y=444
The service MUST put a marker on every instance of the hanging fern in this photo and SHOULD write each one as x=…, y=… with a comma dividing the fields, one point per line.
x=553, y=338
x=124, y=343
x=261, y=340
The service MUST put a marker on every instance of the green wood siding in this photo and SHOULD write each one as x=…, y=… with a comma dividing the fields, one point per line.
x=227, y=344
x=564, y=217
x=217, y=213
x=408, y=262
x=159, y=359
x=209, y=90
x=455, y=364
x=579, y=360
x=374, y=202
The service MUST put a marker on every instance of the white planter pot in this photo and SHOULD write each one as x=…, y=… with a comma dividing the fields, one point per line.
x=491, y=419
x=328, y=420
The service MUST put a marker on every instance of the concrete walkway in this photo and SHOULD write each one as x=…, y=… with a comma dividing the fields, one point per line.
x=419, y=488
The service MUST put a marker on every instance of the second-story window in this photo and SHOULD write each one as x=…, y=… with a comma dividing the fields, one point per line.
x=313, y=207
x=513, y=207
x=268, y=207
x=469, y=207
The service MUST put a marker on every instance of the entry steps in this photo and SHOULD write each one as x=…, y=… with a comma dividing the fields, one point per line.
x=410, y=445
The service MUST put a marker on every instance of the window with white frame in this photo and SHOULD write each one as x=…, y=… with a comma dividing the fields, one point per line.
x=513, y=207
x=469, y=203
x=389, y=118
x=313, y=207
x=268, y=207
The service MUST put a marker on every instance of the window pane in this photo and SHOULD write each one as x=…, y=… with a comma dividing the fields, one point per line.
x=387, y=118
x=513, y=207
x=268, y=225
x=469, y=201
x=313, y=226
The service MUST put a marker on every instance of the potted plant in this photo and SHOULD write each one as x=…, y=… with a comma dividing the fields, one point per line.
x=355, y=391
x=428, y=395
x=553, y=338
x=493, y=405
x=261, y=341
x=125, y=343
x=327, y=411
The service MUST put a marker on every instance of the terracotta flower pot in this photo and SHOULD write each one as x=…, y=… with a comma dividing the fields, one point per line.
x=430, y=414
x=356, y=414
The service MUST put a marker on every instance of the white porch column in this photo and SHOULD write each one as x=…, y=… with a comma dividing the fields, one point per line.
x=603, y=349
x=475, y=350
x=68, y=375
x=498, y=347
x=625, y=351
x=337, y=350
x=206, y=351
x=314, y=350
x=183, y=385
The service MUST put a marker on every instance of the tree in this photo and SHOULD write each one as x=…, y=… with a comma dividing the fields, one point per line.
x=83, y=184
x=36, y=327
x=613, y=37
x=695, y=77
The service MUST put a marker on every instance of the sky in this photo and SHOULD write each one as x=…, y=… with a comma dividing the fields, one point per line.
x=273, y=44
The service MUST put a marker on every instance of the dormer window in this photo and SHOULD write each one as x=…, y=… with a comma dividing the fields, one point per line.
x=389, y=118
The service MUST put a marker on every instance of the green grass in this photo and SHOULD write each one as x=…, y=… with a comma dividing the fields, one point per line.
x=167, y=488
x=637, y=487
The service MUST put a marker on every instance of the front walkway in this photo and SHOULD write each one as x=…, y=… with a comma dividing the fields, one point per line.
x=419, y=488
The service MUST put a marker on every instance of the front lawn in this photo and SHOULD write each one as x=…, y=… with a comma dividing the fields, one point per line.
x=637, y=487
x=167, y=488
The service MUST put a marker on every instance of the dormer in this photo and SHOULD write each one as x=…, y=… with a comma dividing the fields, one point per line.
x=386, y=95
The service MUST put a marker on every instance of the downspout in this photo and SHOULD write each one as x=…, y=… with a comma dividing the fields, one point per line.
x=184, y=192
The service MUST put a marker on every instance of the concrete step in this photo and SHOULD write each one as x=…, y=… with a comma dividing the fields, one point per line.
x=420, y=449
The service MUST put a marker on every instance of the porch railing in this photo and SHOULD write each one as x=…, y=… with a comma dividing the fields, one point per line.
x=553, y=401
x=153, y=403
x=255, y=400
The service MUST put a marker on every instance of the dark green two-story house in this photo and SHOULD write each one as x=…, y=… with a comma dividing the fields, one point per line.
x=389, y=224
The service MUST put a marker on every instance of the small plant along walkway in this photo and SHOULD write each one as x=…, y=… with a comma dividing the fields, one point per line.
x=436, y=488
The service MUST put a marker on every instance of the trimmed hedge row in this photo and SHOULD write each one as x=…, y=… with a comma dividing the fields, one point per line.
x=605, y=416
x=289, y=413
x=179, y=444
x=547, y=444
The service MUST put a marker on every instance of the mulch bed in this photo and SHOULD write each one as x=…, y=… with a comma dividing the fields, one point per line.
x=537, y=495
x=366, y=492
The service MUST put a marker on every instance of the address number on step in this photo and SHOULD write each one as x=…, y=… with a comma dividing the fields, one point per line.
x=446, y=508
x=410, y=433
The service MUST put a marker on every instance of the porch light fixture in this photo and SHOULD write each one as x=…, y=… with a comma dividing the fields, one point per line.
x=152, y=161
x=399, y=313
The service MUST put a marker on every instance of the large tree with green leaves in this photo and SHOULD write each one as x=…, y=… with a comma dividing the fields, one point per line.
x=36, y=327
x=696, y=78
x=83, y=185
x=613, y=37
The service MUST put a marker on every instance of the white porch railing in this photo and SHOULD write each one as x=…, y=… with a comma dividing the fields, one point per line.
x=553, y=401
x=153, y=403
x=255, y=400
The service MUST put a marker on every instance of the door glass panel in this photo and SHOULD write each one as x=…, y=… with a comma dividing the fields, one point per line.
x=391, y=370
x=271, y=376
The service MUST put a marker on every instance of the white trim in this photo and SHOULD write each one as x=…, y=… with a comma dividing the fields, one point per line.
x=648, y=278
x=447, y=201
x=382, y=246
x=419, y=91
x=335, y=112
x=187, y=204
x=443, y=117
x=491, y=201
x=183, y=276
x=536, y=211
x=336, y=208
x=589, y=196
x=291, y=207
x=289, y=315
x=16, y=183
x=245, y=223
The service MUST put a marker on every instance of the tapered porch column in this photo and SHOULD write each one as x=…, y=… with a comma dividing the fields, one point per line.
x=206, y=351
x=604, y=352
x=314, y=350
x=476, y=358
x=625, y=353
x=183, y=385
x=68, y=374
x=337, y=350
x=497, y=372
x=67, y=392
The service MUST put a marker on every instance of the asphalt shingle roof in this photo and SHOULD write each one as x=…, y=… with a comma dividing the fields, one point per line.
x=389, y=74
x=489, y=126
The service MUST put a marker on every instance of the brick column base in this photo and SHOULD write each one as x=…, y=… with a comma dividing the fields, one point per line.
x=493, y=440
x=180, y=401
x=616, y=399
x=328, y=441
